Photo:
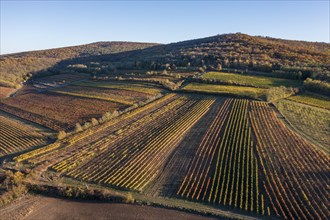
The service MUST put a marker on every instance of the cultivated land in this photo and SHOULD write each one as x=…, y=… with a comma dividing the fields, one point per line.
x=311, y=121
x=165, y=133
x=312, y=99
x=239, y=91
x=248, y=80
x=57, y=111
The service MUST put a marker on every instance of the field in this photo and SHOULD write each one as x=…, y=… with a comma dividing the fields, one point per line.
x=313, y=122
x=206, y=148
x=122, y=96
x=295, y=173
x=224, y=169
x=56, y=111
x=240, y=156
x=16, y=136
x=148, y=88
x=242, y=91
x=5, y=91
x=59, y=80
x=249, y=80
x=38, y=207
x=134, y=163
x=312, y=99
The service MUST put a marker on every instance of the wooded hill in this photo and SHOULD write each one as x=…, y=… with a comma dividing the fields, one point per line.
x=15, y=68
x=275, y=57
x=241, y=52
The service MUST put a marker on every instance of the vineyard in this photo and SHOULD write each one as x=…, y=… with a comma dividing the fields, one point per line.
x=16, y=136
x=295, y=173
x=227, y=153
x=225, y=170
x=134, y=163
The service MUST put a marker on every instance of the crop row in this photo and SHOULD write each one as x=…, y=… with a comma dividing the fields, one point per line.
x=15, y=137
x=224, y=169
x=34, y=155
x=134, y=162
x=99, y=146
x=296, y=174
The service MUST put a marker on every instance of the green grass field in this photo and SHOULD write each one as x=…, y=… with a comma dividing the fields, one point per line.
x=257, y=81
x=311, y=121
x=312, y=99
x=243, y=91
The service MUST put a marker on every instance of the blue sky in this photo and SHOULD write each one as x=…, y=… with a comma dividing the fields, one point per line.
x=32, y=25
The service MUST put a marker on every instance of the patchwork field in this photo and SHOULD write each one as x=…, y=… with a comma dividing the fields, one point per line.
x=230, y=153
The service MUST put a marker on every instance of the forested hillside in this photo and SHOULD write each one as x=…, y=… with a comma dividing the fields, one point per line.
x=18, y=67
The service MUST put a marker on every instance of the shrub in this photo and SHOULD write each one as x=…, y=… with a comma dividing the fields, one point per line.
x=129, y=198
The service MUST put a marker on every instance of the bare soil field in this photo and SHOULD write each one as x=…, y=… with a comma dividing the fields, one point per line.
x=46, y=208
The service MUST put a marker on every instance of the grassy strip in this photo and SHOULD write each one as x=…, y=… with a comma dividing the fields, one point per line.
x=248, y=80
x=94, y=97
x=240, y=91
x=312, y=99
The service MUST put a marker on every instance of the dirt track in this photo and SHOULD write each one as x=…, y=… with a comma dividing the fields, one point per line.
x=45, y=208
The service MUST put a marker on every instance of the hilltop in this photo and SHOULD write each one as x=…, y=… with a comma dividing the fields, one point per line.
x=240, y=52
x=276, y=57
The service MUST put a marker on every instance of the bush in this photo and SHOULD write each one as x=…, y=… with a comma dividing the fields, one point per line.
x=129, y=198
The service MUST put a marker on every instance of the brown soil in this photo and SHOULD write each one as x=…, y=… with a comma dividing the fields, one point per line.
x=4, y=91
x=45, y=208
x=62, y=110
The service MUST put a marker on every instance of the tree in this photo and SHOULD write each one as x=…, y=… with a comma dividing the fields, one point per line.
x=61, y=135
x=78, y=128
x=94, y=122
